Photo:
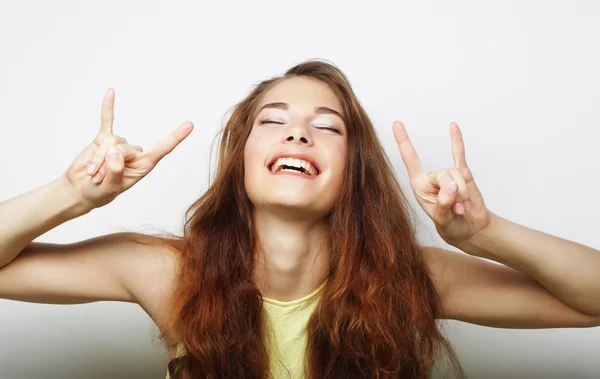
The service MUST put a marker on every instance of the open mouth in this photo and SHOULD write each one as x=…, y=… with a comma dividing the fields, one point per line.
x=294, y=170
x=292, y=165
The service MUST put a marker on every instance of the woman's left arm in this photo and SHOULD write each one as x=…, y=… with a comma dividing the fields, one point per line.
x=570, y=271
x=549, y=281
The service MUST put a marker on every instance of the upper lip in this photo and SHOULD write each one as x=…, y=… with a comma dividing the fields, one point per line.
x=302, y=156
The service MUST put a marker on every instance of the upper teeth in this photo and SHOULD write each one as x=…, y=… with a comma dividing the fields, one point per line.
x=299, y=163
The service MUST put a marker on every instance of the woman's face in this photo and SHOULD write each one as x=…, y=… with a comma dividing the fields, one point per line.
x=294, y=118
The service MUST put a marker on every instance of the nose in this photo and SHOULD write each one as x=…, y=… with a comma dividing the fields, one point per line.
x=298, y=134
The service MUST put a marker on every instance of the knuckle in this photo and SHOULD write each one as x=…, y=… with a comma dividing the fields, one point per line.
x=102, y=136
x=98, y=156
x=467, y=171
x=147, y=166
x=112, y=140
x=120, y=139
x=124, y=149
x=120, y=147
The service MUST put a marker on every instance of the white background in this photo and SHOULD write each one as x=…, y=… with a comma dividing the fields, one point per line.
x=519, y=77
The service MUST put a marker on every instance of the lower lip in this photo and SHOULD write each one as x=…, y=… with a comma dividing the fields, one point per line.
x=298, y=174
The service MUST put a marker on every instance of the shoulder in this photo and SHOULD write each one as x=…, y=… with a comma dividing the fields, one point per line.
x=452, y=272
x=436, y=260
x=151, y=271
x=456, y=275
x=150, y=257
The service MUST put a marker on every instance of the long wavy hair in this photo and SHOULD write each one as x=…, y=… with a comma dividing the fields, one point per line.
x=376, y=315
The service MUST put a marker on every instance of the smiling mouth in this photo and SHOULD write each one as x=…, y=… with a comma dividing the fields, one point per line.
x=293, y=171
x=301, y=170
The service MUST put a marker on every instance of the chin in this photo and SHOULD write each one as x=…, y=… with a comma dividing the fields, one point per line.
x=297, y=205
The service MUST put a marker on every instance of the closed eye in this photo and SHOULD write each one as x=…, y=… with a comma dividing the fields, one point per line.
x=281, y=123
x=270, y=122
x=329, y=128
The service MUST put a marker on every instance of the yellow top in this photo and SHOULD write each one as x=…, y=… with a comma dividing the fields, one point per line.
x=288, y=321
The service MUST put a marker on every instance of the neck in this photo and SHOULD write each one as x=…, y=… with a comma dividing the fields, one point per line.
x=292, y=256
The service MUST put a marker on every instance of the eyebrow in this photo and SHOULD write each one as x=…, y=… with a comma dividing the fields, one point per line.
x=318, y=110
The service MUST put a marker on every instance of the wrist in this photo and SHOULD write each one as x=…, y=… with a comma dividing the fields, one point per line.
x=482, y=243
x=68, y=200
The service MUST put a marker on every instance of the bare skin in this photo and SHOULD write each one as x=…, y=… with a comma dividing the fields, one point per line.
x=293, y=259
x=289, y=208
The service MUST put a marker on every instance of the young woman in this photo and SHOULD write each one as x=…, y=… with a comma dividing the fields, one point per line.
x=301, y=258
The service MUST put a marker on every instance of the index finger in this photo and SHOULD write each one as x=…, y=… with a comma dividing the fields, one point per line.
x=168, y=143
x=407, y=150
x=458, y=146
x=107, y=114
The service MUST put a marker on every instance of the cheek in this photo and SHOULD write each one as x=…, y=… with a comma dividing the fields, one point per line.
x=254, y=156
x=340, y=160
x=251, y=152
x=337, y=173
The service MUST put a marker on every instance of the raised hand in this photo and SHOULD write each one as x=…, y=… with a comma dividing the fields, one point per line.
x=450, y=196
x=109, y=165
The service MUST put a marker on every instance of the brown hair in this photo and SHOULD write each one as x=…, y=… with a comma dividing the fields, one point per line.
x=376, y=316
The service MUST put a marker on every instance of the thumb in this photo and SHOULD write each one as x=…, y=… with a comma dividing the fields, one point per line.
x=115, y=164
x=443, y=214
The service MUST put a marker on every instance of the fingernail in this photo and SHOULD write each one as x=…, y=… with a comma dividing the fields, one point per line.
x=459, y=208
x=96, y=178
x=91, y=168
x=451, y=187
x=112, y=153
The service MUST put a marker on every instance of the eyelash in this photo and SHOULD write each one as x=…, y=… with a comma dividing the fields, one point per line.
x=281, y=123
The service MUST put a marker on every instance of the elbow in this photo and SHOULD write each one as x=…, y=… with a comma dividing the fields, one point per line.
x=595, y=322
x=589, y=320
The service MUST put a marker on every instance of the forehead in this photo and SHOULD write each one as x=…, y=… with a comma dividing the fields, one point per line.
x=301, y=92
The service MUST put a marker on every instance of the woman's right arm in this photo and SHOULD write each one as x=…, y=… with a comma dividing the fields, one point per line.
x=111, y=267
x=108, y=267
